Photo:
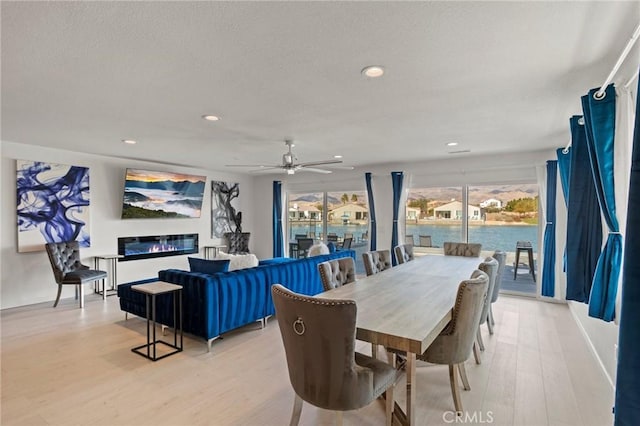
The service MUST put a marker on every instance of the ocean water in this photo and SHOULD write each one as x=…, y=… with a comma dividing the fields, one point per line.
x=492, y=237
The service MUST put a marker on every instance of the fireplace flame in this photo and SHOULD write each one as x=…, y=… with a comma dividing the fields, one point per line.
x=158, y=248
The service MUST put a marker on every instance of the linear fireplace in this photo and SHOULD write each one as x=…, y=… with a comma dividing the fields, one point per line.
x=134, y=248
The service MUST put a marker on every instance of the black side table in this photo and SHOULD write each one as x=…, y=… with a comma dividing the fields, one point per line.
x=151, y=290
x=524, y=246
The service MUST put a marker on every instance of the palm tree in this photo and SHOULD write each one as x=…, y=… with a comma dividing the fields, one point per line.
x=344, y=198
x=354, y=198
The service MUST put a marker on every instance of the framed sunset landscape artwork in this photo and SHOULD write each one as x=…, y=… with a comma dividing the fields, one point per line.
x=155, y=194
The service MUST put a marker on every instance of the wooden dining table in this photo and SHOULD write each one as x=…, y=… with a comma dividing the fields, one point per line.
x=405, y=308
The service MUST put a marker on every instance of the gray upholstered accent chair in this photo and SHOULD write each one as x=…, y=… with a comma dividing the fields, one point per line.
x=501, y=257
x=324, y=369
x=237, y=242
x=336, y=273
x=404, y=253
x=453, y=345
x=68, y=270
x=489, y=267
x=462, y=249
x=376, y=261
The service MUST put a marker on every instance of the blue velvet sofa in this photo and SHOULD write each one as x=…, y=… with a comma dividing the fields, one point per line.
x=217, y=303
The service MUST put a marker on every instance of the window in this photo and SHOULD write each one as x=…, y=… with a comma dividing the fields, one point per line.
x=498, y=216
x=508, y=214
x=433, y=216
x=337, y=214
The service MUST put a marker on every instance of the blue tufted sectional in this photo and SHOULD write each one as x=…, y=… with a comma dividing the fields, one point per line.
x=217, y=303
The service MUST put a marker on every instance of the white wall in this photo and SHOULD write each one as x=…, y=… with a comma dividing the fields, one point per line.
x=601, y=336
x=27, y=277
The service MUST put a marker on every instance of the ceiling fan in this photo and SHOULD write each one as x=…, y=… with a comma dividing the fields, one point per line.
x=289, y=164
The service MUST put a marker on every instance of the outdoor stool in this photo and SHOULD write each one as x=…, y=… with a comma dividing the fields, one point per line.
x=524, y=246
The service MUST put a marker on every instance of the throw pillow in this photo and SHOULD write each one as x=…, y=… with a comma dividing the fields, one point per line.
x=332, y=247
x=239, y=261
x=205, y=266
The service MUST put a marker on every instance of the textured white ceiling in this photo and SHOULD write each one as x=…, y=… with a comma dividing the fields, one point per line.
x=493, y=76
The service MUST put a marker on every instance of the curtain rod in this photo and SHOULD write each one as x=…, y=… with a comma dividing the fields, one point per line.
x=600, y=93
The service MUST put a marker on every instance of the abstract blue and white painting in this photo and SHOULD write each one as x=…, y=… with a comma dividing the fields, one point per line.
x=53, y=204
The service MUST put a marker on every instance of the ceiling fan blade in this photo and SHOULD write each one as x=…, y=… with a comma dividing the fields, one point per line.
x=312, y=169
x=320, y=163
x=265, y=169
x=252, y=165
x=340, y=167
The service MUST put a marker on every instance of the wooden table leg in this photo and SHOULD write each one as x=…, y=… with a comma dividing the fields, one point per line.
x=407, y=417
x=411, y=395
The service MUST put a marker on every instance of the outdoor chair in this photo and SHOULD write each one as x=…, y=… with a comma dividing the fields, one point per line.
x=376, y=261
x=336, y=273
x=324, y=368
x=68, y=270
x=304, y=244
x=408, y=239
x=425, y=241
x=346, y=243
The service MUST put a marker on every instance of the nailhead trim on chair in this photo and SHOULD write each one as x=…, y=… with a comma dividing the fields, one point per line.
x=476, y=278
x=314, y=300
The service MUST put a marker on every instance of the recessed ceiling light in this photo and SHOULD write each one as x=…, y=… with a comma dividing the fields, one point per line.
x=129, y=141
x=452, y=143
x=337, y=156
x=373, y=71
x=211, y=117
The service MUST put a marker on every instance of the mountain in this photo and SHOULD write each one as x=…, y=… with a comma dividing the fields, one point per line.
x=184, y=187
x=477, y=194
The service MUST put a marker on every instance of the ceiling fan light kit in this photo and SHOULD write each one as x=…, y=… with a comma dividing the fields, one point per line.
x=289, y=164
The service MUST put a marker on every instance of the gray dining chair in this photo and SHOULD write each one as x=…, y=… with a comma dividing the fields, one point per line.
x=501, y=257
x=404, y=253
x=336, y=273
x=67, y=268
x=489, y=267
x=453, y=345
x=376, y=261
x=324, y=369
x=462, y=249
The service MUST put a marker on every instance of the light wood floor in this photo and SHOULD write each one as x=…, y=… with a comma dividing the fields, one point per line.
x=68, y=366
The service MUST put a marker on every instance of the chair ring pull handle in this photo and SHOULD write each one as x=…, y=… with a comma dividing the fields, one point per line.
x=298, y=327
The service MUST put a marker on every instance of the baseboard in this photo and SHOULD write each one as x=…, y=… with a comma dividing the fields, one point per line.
x=591, y=347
